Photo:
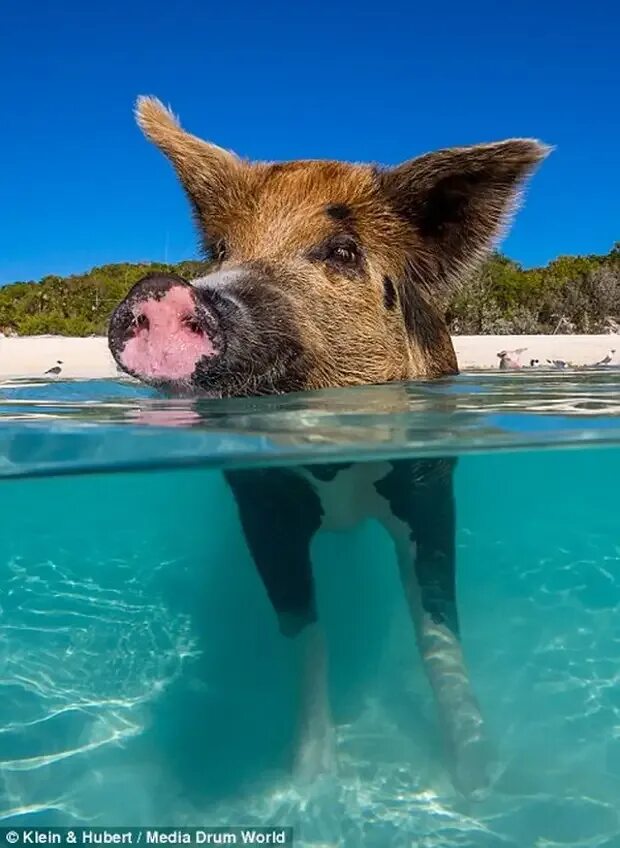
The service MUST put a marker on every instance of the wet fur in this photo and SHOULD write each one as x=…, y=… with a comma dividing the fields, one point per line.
x=419, y=229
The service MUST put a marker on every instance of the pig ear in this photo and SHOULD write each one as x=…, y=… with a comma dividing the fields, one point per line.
x=205, y=170
x=458, y=202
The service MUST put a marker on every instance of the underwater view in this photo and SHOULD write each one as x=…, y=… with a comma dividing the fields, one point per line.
x=143, y=677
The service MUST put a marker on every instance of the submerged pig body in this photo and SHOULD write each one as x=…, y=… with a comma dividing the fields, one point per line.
x=330, y=274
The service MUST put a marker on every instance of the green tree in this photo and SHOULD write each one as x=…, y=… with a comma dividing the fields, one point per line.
x=571, y=293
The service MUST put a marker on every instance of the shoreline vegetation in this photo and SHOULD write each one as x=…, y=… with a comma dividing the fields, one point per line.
x=570, y=295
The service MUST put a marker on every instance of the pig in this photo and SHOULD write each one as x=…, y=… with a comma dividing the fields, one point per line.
x=330, y=274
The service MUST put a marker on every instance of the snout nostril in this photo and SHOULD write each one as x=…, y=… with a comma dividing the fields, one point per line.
x=192, y=324
x=141, y=322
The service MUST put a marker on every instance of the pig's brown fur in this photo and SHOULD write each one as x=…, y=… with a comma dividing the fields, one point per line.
x=421, y=227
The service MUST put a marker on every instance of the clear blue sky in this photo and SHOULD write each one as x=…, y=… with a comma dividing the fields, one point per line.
x=280, y=80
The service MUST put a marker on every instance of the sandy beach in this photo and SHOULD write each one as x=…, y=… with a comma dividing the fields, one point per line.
x=481, y=351
x=31, y=356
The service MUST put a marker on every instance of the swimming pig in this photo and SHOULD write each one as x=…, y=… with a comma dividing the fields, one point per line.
x=330, y=274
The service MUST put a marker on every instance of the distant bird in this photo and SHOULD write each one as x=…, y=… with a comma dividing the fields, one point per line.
x=55, y=371
x=558, y=363
x=506, y=362
x=534, y=363
x=606, y=360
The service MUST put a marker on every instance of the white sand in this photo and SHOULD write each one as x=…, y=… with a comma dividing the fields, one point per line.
x=31, y=356
x=481, y=351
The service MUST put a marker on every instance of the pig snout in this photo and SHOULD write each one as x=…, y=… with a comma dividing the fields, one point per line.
x=163, y=331
x=230, y=333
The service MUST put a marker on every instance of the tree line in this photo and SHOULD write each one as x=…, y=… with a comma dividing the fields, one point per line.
x=572, y=294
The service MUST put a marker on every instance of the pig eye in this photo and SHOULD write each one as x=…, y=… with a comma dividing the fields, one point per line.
x=342, y=251
x=346, y=253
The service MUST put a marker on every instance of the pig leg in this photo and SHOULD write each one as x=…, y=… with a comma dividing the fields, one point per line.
x=421, y=520
x=280, y=513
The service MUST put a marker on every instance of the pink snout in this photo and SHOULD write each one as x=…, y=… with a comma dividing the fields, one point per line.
x=166, y=335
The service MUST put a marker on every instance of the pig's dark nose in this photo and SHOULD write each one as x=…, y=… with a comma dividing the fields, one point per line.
x=162, y=330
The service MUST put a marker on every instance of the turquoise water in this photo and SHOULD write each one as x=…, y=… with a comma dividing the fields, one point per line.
x=142, y=677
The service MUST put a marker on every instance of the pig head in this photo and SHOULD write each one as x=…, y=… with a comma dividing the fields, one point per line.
x=324, y=273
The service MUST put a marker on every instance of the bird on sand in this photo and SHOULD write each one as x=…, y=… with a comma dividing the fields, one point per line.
x=558, y=363
x=606, y=360
x=55, y=371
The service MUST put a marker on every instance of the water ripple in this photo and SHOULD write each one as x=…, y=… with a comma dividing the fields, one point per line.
x=94, y=425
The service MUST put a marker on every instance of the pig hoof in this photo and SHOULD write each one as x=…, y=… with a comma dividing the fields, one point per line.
x=315, y=758
x=472, y=768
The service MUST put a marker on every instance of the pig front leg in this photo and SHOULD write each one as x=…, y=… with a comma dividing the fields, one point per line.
x=280, y=513
x=420, y=517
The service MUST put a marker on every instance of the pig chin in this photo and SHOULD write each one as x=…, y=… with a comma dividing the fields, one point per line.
x=226, y=379
x=191, y=369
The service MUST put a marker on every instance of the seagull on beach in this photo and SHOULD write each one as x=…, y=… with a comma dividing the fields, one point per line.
x=534, y=363
x=558, y=363
x=606, y=360
x=55, y=371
